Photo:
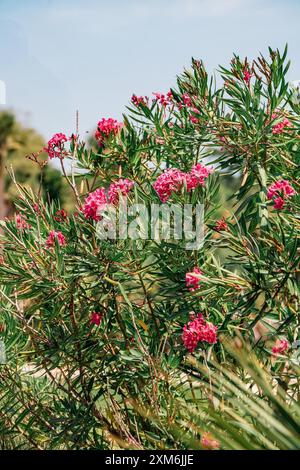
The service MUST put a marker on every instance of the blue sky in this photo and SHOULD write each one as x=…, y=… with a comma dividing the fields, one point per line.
x=57, y=56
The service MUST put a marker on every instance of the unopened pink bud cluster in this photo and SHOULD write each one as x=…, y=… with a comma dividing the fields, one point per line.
x=21, y=222
x=138, y=100
x=221, y=225
x=247, y=76
x=192, y=282
x=96, y=318
x=188, y=103
x=187, y=99
x=173, y=180
x=208, y=442
x=53, y=235
x=198, y=330
x=280, y=346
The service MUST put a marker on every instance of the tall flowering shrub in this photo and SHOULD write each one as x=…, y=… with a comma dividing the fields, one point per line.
x=96, y=328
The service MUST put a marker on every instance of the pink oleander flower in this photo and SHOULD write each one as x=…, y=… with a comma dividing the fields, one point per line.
x=56, y=146
x=279, y=192
x=137, y=100
x=123, y=186
x=280, y=346
x=208, y=333
x=198, y=330
x=221, y=225
x=187, y=100
x=190, y=335
x=247, y=76
x=170, y=181
x=279, y=203
x=107, y=128
x=162, y=99
x=280, y=126
x=192, y=118
x=61, y=215
x=21, y=222
x=50, y=242
x=191, y=281
x=208, y=442
x=96, y=318
x=197, y=176
x=36, y=208
x=94, y=203
x=282, y=187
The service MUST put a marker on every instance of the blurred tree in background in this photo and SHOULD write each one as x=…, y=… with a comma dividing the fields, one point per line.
x=16, y=142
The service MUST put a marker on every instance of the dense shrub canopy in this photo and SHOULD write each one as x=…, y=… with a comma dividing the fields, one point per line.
x=107, y=341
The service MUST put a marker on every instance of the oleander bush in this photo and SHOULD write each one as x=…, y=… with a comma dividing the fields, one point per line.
x=141, y=343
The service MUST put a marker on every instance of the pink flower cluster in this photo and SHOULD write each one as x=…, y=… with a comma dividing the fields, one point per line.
x=192, y=118
x=187, y=100
x=50, y=242
x=36, y=208
x=280, y=346
x=97, y=200
x=105, y=129
x=192, y=282
x=123, y=186
x=93, y=204
x=21, y=222
x=162, y=99
x=61, y=216
x=208, y=442
x=279, y=127
x=197, y=176
x=172, y=180
x=96, y=318
x=137, y=100
x=221, y=225
x=198, y=330
x=55, y=146
x=279, y=192
x=247, y=75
